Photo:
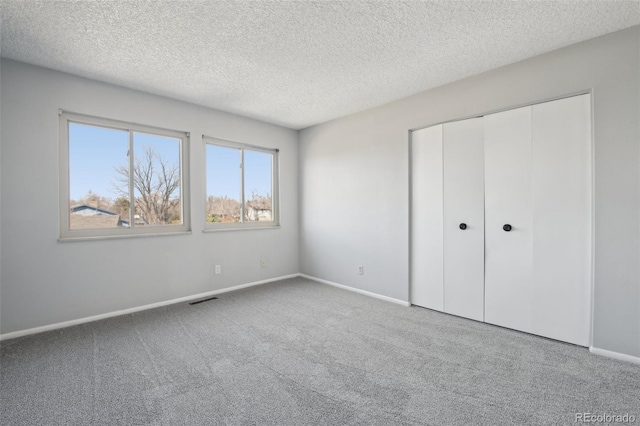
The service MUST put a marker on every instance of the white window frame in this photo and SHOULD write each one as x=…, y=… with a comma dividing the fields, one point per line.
x=275, y=187
x=67, y=234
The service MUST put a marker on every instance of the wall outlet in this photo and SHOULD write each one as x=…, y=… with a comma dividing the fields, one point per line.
x=263, y=263
x=360, y=270
x=218, y=269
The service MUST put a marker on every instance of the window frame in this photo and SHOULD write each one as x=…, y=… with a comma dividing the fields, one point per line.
x=66, y=233
x=275, y=186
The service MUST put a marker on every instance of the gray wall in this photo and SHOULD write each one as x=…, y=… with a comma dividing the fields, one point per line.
x=45, y=282
x=0, y=191
x=354, y=177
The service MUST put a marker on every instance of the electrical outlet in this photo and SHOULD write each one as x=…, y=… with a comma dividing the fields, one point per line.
x=360, y=270
x=218, y=269
x=263, y=263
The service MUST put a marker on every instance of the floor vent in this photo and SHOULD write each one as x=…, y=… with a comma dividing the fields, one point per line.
x=203, y=300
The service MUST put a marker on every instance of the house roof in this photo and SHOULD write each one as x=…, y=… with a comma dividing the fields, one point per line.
x=98, y=211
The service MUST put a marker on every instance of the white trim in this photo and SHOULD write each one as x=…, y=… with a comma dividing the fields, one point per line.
x=64, y=324
x=592, y=194
x=275, y=186
x=356, y=290
x=514, y=106
x=241, y=228
x=83, y=234
x=238, y=145
x=615, y=355
x=110, y=237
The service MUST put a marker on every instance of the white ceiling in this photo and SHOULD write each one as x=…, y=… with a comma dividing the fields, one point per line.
x=295, y=63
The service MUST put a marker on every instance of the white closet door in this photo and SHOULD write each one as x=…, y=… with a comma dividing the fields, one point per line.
x=426, y=218
x=463, y=204
x=562, y=219
x=509, y=253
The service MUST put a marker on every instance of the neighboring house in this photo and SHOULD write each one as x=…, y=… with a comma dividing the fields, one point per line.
x=259, y=210
x=137, y=221
x=84, y=216
x=88, y=210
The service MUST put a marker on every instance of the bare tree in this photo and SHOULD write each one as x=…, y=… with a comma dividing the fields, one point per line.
x=94, y=200
x=121, y=205
x=155, y=181
x=222, y=209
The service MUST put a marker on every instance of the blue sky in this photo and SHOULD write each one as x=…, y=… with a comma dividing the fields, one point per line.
x=223, y=172
x=94, y=152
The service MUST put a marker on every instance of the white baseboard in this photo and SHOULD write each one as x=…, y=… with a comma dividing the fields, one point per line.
x=356, y=290
x=615, y=355
x=65, y=324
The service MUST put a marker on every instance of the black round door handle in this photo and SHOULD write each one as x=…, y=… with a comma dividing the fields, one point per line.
x=507, y=227
x=463, y=226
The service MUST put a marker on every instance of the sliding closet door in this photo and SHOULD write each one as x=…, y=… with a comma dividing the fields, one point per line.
x=562, y=219
x=463, y=219
x=508, y=204
x=426, y=218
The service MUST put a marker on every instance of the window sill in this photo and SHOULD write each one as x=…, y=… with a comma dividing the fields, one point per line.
x=240, y=228
x=114, y=237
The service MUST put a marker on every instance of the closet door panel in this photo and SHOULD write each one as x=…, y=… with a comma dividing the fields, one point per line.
x=562, y=219
x=507, y=154
x=463, y=203
x=427, y=218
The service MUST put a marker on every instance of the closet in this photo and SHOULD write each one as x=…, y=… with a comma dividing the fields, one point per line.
x=501, y=218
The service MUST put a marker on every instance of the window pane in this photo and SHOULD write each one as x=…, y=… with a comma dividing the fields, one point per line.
x=223, y=184
x=257, y=186
x=97, y=197
x=156, y=180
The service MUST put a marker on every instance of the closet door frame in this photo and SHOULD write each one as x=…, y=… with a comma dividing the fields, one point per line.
x=591, y=192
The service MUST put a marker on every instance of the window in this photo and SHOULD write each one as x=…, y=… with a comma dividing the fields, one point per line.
x=108, y=166
x=242, y=185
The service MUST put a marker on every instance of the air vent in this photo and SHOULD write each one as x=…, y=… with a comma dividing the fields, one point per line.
x=203, y=300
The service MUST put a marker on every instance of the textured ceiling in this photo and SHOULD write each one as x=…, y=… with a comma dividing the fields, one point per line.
x=295, y=63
